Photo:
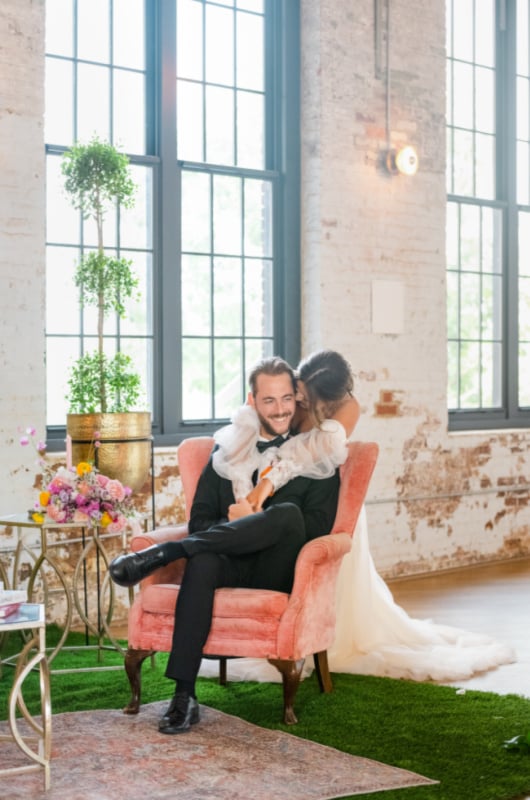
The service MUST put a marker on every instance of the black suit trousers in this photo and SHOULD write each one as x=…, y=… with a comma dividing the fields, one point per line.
x=258, y=551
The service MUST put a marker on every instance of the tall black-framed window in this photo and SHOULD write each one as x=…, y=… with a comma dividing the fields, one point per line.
x=488, y=213
x=202, y=95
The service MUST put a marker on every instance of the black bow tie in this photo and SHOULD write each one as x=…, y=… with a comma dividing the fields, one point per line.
x=263, y=445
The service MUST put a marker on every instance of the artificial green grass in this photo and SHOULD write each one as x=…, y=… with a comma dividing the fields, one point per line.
x=456, y=739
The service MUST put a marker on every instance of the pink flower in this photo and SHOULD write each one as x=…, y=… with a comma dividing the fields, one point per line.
x=117, y=525
x=55, y=513
x=102, y=479
x=24, y=441
x=115, y=490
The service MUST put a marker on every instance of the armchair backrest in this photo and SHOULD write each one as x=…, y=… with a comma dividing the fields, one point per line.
x=193, y=455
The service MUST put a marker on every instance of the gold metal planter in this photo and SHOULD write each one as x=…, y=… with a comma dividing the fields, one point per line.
x=125, y=444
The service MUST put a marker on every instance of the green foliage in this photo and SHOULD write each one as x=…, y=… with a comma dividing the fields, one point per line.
x=105, y=282
x=121, y=388
x=97, y=176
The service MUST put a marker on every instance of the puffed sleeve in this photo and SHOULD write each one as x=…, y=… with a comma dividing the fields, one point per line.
x=236, y=457
x=314, y=454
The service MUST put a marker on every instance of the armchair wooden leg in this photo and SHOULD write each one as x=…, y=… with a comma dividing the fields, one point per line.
x=291, y=672
x=133, y=667
x=322, y=671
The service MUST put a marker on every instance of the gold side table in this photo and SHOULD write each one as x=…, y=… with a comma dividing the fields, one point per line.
x=37, y=746
x=92, y=541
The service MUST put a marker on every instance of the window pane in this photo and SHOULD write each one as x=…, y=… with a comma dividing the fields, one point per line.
x=129, y=33
x=453, y=306
x=138, y=320
x=522, y=109
x=62, y=296
x=463, y=98
x=258, y=218
x=463, y=30
x=251, y=5
x=453, y=372
x=227, y=215
x=258, y=297
x=196, y=212
x=227, y=295
x=452, y=235
x=521, y=30
x=93, y=114
x=463, y=162
x=189, y=39
x=256, y=349
x=59, y=27
x=196, y=379
x=59, y=352
x=228, y=365
x=470, y=237
x=491, y=240
x=219, y=125
x=470, y=306
x=136, y=223
x=93, y=40
x=250, y=130
x=491, y=375
x=190, y=121
x=250, y=61
x=129, y=111
x=219, y=45
x=485, y=166
x=484, y=100
x=469, y=375
x=196, y=296
x=485, y=33
x=491, y=288
x=523, y=174
x=59, y=117
x=524, y=375
x=524, y=309
x=62, y=220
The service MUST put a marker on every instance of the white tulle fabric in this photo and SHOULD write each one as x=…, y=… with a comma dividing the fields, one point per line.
x=315, y=454
x=375, y=636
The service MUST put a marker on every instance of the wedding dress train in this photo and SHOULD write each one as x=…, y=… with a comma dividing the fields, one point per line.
x=375, y=636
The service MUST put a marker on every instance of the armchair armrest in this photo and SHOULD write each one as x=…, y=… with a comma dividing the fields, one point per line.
x=308, y=622
x=171, y=573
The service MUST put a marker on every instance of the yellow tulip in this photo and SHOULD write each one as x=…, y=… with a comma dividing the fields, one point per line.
x=38, y=518
x=105, y=520
x=44, y=499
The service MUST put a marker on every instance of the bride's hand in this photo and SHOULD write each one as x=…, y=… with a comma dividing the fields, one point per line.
x=259, y=494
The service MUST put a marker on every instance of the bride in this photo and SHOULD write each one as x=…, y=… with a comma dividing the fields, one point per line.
x=373, y=634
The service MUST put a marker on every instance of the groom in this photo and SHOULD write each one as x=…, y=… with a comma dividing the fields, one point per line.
x=230, y=544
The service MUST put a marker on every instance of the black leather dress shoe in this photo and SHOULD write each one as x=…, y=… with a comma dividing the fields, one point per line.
x=126, y=570
x=183, y=712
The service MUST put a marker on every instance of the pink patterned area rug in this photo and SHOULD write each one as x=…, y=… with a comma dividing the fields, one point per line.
x=108, y=755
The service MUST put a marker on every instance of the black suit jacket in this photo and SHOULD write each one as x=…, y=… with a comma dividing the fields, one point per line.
x=317, y=500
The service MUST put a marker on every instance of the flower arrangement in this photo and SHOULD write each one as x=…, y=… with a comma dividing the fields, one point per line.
x=80, y=494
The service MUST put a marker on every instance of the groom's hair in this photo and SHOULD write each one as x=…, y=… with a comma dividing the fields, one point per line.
x=274, y=365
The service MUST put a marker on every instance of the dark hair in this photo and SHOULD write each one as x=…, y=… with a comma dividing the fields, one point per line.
x=327, y=377
x=270, y=366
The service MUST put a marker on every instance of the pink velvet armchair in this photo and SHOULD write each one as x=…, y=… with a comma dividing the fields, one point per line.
x=253, y=623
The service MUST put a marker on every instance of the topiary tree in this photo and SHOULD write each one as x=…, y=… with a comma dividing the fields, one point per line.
x=97, y=177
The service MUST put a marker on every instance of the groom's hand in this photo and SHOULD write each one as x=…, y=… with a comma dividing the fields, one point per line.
x=240, y=509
